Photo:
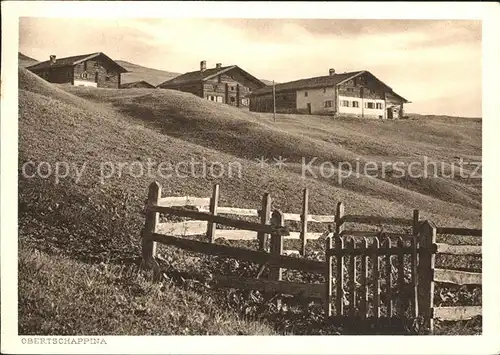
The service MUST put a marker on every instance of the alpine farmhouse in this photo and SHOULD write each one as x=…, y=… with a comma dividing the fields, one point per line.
x=358, y=94
x=229, y=84
x=95, y=69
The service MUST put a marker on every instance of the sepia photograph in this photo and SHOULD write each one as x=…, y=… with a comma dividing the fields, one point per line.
x=248, y=176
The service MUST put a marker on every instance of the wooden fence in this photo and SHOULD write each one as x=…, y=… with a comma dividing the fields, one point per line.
x=211, y=205
x=343, y=246
x=274, y=259
x=431, y=275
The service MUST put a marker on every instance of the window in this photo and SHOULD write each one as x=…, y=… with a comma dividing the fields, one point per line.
x=96, y=65
x=350, y=90
x=84, y=75
x=379, y=105
x=232, y=88
x=355, y=104
x=306, y=94
x=107, y=77
x=328, y=103
x=232, y=99
x=345, y=103
x=219, y=98
x=369, y=105
x=84, y=65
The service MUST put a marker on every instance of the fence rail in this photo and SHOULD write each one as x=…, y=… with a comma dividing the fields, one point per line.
x=460, y=231
x=231, y=222
x=457, y=277
x=260, y=257
x=300, y=290
x=459, y=249
x=353, y=259
x=456, y=313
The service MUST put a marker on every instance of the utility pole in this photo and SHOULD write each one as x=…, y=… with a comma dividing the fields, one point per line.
x=274, y=102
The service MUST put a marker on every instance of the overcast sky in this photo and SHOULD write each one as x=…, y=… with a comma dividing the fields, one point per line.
x=434, y=64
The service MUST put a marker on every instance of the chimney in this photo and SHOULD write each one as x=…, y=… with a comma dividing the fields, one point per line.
x=203, y=65
x=332, y=71
x=52, y=59
x=218, y=65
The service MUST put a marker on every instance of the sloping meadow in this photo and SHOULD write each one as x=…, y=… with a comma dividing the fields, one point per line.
x=92, y=213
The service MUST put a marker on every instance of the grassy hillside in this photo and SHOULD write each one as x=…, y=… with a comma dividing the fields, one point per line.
x=25, y=61
x=139, y=72
x=85, y=224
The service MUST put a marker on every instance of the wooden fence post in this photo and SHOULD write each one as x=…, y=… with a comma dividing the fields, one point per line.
x=339, y=281
x=264, y=219
x=275, y=272
x=426, y=273
x=329, y=276
x=401, y=278
x=214, y=202
x=303, y=218
x=389, y=281
x=149, y=246
x=339, y=246
x=351, y=271
x=277, y=220
x=414, y=276
x=339, y=214
x=376, y=278
x=364, y=279
x=416, y=217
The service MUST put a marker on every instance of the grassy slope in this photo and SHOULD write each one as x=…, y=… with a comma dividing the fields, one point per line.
x=91, y=222
x=244, y=135
x=139, y=72
x=25, y=61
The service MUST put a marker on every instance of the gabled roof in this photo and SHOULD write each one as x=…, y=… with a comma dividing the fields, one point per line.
x=317, y=82
x=198, y=76
x=309, y=83
x=74, y=60
x=128, y=85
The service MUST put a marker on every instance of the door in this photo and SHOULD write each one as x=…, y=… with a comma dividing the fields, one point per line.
x=389, y=113
x=309, y=108
x=96, y=77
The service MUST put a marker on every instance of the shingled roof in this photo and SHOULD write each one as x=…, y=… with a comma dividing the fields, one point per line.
x=74, y=60
x=134, y=83
x=198, y=75
x=316, y=82
x=309, y=83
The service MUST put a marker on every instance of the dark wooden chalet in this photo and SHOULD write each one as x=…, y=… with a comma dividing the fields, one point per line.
x=229, y=84
x=143, y=84
x=358, y=94
x=96, y=69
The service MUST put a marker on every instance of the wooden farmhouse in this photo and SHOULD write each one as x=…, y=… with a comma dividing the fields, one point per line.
x=229, y=84
x=358, y=94
x=143, y=84
x=96, y=70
